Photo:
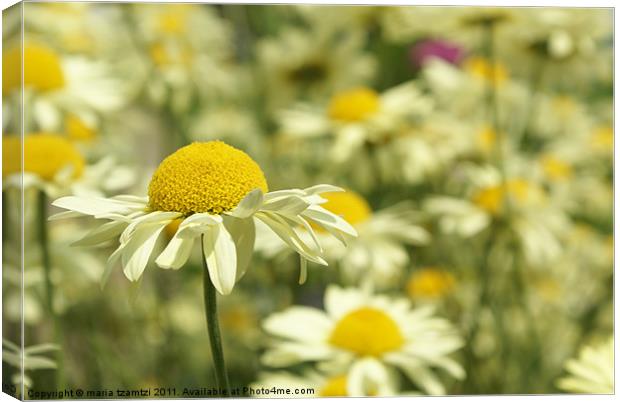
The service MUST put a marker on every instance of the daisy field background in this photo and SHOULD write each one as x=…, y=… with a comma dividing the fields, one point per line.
x=389, y=200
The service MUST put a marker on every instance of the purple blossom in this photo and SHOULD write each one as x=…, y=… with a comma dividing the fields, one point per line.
x=425, y=50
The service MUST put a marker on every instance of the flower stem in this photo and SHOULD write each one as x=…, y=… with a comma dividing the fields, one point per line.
x=213, y=327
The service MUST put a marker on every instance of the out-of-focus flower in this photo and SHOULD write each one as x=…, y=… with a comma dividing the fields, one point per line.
x=57, y=85
x=370, y=380
x=312, y=64
x=30, y=358
x=430, y=283
x=378, y=255
x=55, y=165
x=428, y=49
x=592, y=372
x=358, y=328
x=218, y=191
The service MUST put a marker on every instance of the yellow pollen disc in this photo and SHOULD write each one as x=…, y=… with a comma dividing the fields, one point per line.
x=335, y=386
x=492, y=198
x=173, y=20
x=354, y=105
x=430, y=283
x=348, y=205
x=78, y=130
x=44, y=155
x=42, y=69
x=481, y=68
x=367, y=332
x=204, y=177
x=487, y=138
x=603, y=138
x=556, y=169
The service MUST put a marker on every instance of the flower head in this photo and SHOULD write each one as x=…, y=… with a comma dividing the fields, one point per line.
x=218, y=192
x=204, y=177
x=593, y=371
x=425, y=50
x=45, y=155
x=42, y=68
x=358, y=329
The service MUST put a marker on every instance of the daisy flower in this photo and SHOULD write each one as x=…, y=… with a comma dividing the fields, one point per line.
x=357, y=328
x=379, y=253
x=55, y=165
x=371, y=381
x=219, y=192
x=592, y=372
x=56, y=86
x=312, y=63
x=430, y=284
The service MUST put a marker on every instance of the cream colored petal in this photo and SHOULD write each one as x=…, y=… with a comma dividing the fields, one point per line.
x=248, y=205
x=243, y=233
x=138, y=249
x=103, y=233
x=221, y=257
x=176, y=253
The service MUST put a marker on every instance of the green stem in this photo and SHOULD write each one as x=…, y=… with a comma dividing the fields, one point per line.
x=46, y=262
x=213, y=327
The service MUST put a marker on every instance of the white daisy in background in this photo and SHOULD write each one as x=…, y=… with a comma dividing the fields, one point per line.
x=312, y=63
x=371, y=377
x=358, y=328
x=54, y=164
x=185, y=60
x=538, y=224
x=394, y=136
x=56, y=86
x=592, y=372
x=378, y=254
x=219, y=192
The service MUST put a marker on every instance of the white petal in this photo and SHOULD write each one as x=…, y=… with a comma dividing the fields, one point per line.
x=135, y=255
x=102, y=234
x=299, y=323
x=93, y=205
x=248, y=205
x=176, y=253
x=288, y=235
x=328, y=220
x=221, y=257
x=243, y=233
x=303, y=270
x=322, y=188
x=292, y=205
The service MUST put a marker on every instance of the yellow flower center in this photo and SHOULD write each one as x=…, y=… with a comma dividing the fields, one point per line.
x=603, y=138
x=481, y=68
x=349, y=205
x=487, y=138
x=42, y=69
x=78, y=130
x=430, y=283
x=492, y=198
x=163, y=55
x=367, y=332
x=204, y=177
x=173, y=20
x=44, y=155
x=335, y=386
x=556, y=169
x=354, y=105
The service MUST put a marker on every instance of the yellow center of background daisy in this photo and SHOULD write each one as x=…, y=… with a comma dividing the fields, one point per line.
x=556, y=169
x=42, y=69
x=354, y=105
x=204, y=177
x=367, y=332
x=492, y=198
x=335, y=386
x=44, y=155
x=430, y=283
x=481, y=68
x=349, y=205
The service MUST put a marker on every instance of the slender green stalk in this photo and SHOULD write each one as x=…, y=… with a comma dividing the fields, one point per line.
x=213, y=327
x=46, y=262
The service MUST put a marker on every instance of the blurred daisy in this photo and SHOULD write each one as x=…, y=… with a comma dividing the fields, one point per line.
x=370, y=377
x=592, y=372
x=56, y=166
x=30, y=358
x=359, y=328
x=537, y=222
x=379, y=253
x=312, y=63
x=430, y=283
x=219, y=192
x=57, y=85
